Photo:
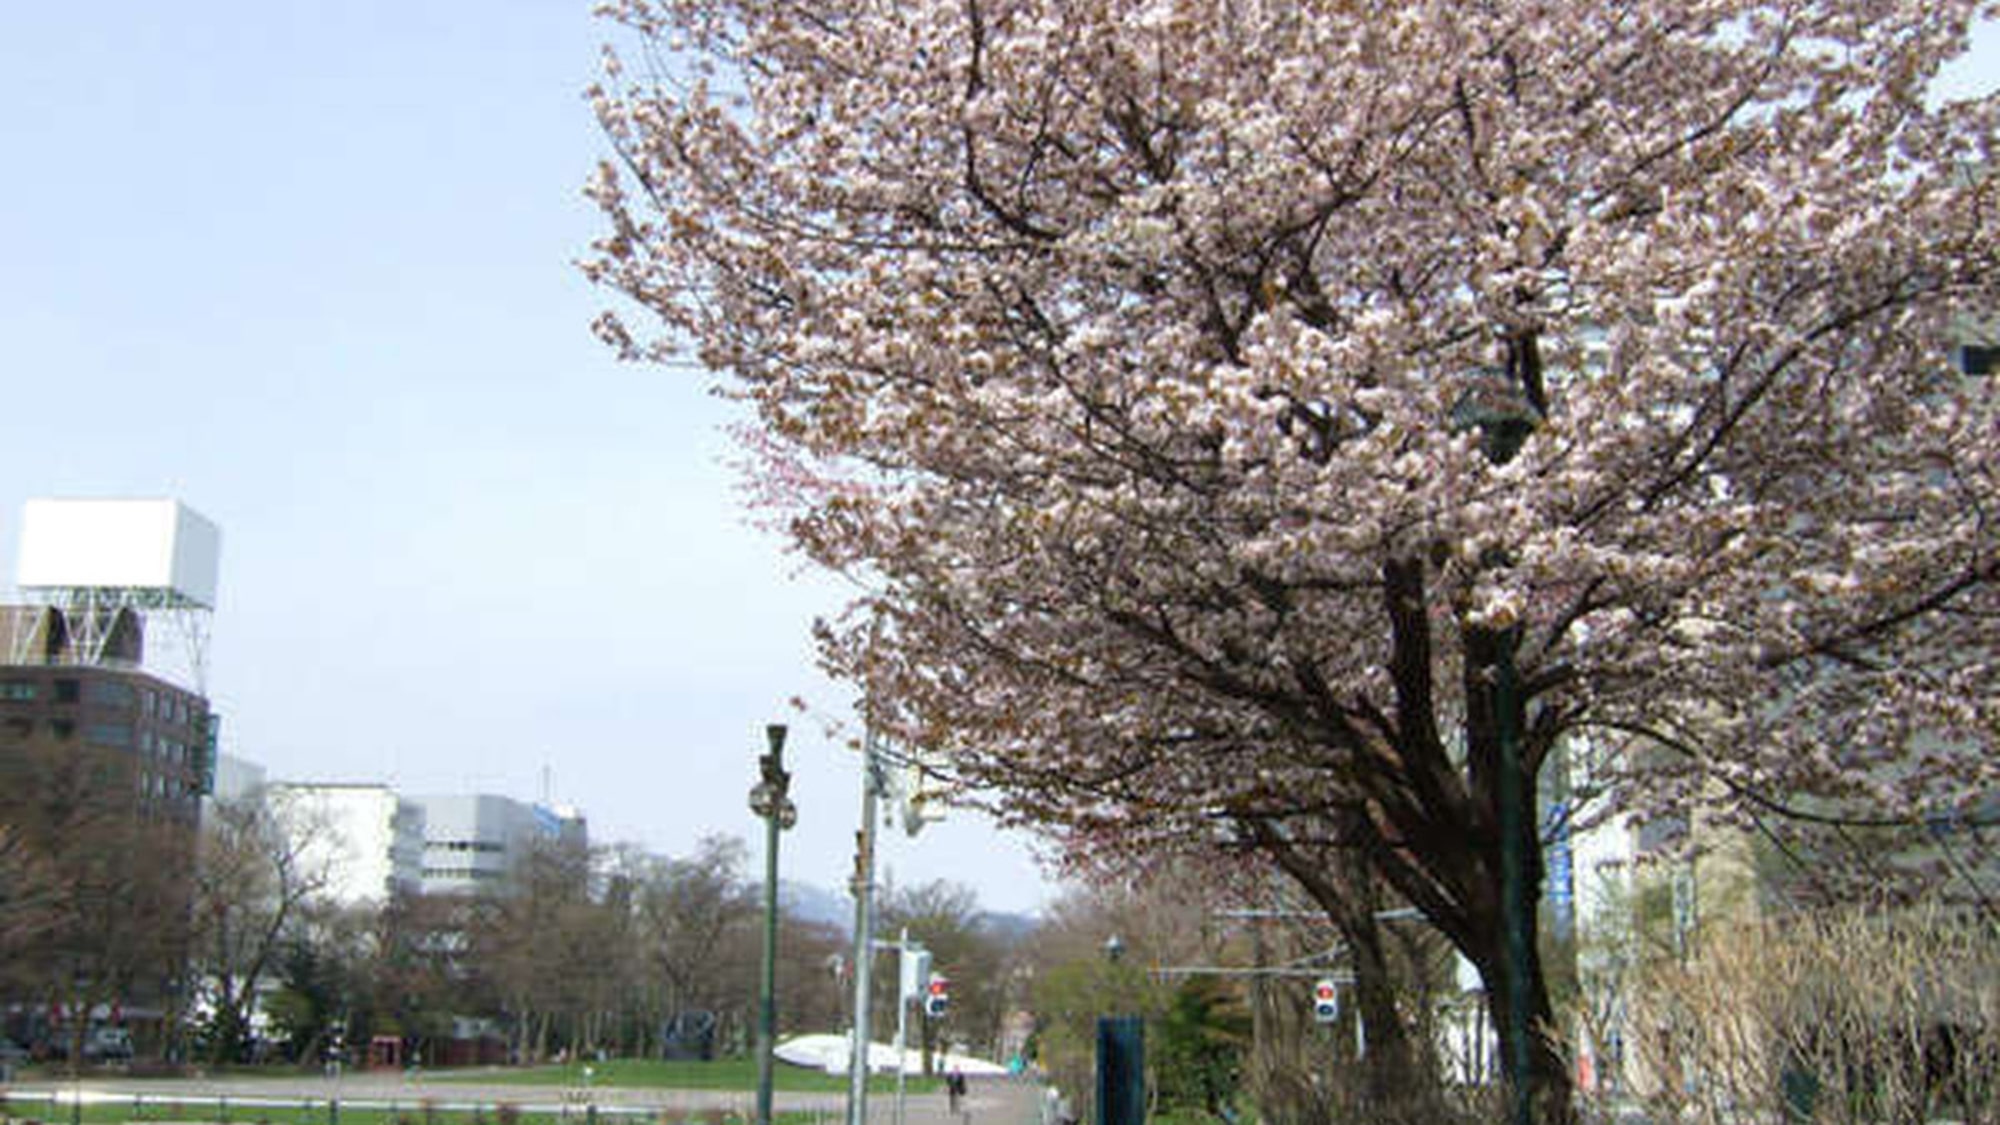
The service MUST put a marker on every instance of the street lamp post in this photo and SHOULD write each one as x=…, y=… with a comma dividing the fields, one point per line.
x=1517, y=911
x=770, y=799
x=1505, y=410
x=1121, y=1056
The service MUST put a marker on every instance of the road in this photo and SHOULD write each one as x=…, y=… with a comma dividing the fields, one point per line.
x=991, y=1101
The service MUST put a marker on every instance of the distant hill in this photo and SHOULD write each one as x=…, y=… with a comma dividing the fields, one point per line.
x=816, y=904
x=836, y=908
x=1011, y=928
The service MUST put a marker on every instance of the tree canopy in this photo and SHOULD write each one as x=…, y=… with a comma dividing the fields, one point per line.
x=1211, y=401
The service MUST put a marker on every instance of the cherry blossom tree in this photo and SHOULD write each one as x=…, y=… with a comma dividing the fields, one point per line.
x=1294, y=414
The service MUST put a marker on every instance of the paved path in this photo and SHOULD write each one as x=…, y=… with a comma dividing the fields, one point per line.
x=992, y=1101
x=988, y=1101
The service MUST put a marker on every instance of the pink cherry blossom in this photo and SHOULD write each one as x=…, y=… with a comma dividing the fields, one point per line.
x=1208, y=398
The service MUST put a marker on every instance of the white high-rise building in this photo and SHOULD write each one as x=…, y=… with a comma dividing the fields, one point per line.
x=368, y=842
x=472, y=841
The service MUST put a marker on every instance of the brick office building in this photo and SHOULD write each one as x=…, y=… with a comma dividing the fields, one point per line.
x=104, y=758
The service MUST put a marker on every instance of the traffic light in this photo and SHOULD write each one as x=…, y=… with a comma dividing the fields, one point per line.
x=1326, y=1001
x=915, y=963
x=937, y=1000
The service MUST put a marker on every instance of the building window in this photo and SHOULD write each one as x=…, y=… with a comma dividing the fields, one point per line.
x=114, y=735
x=465, y=846
x=1978, y=359
x=17, y=689
x=476, y=874
x=63, y=728
x=66, y=691
x=108, y=693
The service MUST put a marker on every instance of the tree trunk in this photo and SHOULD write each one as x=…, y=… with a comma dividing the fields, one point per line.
x=1395, y=1082
x=1348, y=891
x=1503, y=770
x=1548, y=1069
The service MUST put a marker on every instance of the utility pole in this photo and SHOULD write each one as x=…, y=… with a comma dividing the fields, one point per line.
x=864, y=930
x=913, y=967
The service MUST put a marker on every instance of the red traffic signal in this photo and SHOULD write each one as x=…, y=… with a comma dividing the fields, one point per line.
x=938, y=1000
x=940, y=986
x=1326, y=1001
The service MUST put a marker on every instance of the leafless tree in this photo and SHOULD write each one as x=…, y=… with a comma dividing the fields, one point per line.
x=30, y=893
x=253, y=874
x=109, y=878
x=697, y=917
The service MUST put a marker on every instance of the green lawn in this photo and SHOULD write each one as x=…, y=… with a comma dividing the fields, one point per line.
x=161, y=1111
x=722, y=1074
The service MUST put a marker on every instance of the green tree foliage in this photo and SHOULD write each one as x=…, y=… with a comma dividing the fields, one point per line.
x=321, y=981
x=1198, y=1053
x=1069, y=999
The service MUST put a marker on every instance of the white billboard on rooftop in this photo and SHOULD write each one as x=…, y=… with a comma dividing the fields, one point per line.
x=157, y=545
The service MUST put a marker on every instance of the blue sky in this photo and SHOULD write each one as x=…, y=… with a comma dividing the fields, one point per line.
x=306, y=266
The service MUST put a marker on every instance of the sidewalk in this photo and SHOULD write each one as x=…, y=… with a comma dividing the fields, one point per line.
x=988, y=1101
